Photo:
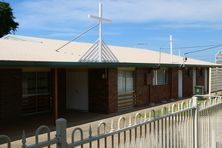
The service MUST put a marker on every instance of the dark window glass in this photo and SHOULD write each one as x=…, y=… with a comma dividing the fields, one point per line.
x=125, y=82
x=160, y=77
x=35, y=83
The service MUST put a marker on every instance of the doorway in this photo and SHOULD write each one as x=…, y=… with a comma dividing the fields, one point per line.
x=77, y=89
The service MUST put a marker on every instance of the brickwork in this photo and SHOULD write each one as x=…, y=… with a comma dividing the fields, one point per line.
x=112, y=90
x=102, y=83
x=160, y=93
x=143, y=81
x=102, y=90
x=173, y=82
x=10, y=93
x=146, y=92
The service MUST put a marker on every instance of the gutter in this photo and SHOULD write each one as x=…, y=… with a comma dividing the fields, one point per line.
x=92, y=64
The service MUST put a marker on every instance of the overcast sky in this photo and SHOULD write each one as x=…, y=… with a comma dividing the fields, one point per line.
x=135, y=23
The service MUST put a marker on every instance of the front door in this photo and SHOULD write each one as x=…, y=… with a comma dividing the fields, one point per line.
x=77, y=90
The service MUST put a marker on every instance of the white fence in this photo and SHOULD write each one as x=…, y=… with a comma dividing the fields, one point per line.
x=190, y=124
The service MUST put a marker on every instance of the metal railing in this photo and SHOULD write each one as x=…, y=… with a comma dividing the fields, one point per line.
x=191, y=124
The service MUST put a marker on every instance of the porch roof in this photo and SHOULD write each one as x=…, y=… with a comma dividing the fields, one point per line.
x=30, y=51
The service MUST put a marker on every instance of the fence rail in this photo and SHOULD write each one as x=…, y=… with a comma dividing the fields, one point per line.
x=191, y=124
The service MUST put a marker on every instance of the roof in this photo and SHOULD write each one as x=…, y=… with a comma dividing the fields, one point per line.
x=29, y=49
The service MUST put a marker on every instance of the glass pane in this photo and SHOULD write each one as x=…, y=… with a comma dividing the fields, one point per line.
x=166, y=76
x=43, y=83
x=121, y=82
x=154, y=77
x=129, y=82
x=161, y=77
x=29, y=83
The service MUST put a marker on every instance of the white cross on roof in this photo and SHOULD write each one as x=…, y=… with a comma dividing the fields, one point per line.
x=99, y=52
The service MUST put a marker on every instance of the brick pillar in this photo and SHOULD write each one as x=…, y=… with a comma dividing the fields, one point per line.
x=173, y=82
x=103, y=90
x=10, y=93
x=112, y=91
x=142, y=79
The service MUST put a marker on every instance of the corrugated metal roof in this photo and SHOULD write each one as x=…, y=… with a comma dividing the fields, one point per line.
x=20, y=48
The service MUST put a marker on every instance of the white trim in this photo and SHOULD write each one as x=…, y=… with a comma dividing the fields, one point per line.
x=209, y=89
x=180, y=83
x=205, y=79
x=194, y=79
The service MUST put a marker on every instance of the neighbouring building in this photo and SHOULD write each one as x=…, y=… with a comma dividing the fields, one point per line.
x=218, y=58
x=35, y=78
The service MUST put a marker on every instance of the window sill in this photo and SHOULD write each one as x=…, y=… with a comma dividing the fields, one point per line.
x=160, y=84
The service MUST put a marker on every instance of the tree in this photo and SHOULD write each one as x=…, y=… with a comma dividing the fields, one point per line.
x=7, y=23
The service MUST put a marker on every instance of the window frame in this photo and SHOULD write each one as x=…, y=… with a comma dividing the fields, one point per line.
x=155, y=77
x=124, y=72
x=37, y=85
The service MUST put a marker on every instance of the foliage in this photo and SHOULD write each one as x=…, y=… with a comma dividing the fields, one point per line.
x=7, y=23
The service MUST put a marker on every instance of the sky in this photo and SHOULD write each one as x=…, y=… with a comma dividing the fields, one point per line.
x=135, y=23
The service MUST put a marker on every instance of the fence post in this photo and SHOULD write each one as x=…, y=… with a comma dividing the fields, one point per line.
x=195, y=122
x=61, y=125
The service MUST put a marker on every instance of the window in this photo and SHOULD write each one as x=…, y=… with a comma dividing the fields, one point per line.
x=35, y=83
x=36, y=92
x=125, y=82
x=160, y=77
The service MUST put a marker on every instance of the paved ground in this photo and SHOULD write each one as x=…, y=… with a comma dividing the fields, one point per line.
x=94, y=125
x=214, y=136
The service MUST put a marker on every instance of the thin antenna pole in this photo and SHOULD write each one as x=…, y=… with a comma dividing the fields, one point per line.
x=171, y=47
x=100, y=30
x=160, y=53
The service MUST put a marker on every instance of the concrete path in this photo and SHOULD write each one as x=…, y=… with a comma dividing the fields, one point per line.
x=85, y=127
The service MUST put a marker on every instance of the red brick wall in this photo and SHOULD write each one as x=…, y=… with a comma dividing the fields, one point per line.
x=143, y=80
x=112, y=90
x=159, y=93
x=10, y=93
x=187, y=82
x=146, y=92
x=166, y=92
x=173, y=82
x=102, y=90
